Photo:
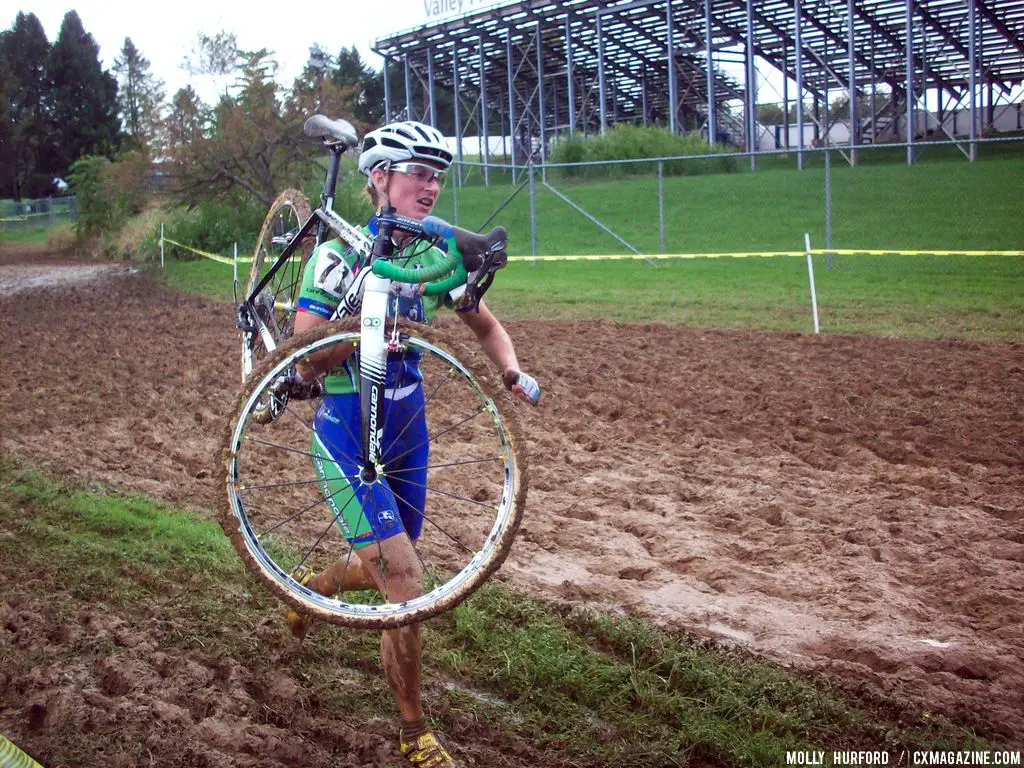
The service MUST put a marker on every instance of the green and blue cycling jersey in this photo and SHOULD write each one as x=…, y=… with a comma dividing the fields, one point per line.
x=328, y=273
x=369, y=513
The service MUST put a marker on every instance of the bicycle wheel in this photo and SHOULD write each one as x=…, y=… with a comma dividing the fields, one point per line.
x=283, y=519
x=276, y=302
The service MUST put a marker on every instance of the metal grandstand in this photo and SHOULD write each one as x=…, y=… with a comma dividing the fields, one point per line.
x=537, y=68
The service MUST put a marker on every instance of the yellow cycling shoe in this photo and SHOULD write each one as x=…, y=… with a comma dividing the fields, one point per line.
x=425, y=751
x=299, y=623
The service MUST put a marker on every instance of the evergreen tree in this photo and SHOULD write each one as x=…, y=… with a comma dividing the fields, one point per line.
x=84, y=107
x=24, y=50
x=140, y=95
x=353, y=75
x=318, y=67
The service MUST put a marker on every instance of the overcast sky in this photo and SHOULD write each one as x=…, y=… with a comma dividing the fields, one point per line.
x=165, y=34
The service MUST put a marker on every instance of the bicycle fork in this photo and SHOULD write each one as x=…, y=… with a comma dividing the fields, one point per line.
x=372, y=372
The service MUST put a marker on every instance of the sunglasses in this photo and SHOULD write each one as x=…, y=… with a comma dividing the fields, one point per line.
x=422, y=174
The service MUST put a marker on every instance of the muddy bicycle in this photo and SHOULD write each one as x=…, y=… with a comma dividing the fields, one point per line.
x=290, y=495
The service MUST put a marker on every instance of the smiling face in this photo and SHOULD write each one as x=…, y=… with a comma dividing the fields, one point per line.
x=411, y=187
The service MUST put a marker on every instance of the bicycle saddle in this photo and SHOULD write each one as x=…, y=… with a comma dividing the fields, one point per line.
x=338, y=130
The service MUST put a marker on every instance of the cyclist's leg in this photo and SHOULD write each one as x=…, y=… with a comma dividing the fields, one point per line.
x=366, y=515
x=335, y=459
x=405, y=456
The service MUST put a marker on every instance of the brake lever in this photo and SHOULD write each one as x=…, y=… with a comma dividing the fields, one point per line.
x=482, y=278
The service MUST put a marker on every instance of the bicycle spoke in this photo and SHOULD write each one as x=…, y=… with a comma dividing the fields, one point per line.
x=426, y=568
x=380, y=550
x=247, y=488
x=433, y=438
x=330, y=525
x=309, y=427
x=439, y=466
x=452, y=495
x=426, y=517
x=417, y=414
x=301, y=512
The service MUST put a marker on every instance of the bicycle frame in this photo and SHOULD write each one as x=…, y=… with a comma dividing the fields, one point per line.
x=368, y=295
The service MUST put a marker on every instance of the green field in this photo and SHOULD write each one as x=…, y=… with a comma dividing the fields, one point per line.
x=941, y=205
x=969, y=297
x=589, y=689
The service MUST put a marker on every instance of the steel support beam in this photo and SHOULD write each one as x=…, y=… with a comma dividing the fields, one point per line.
x=570, y=88
x=431, y=88
x=540, y=98
x=600, y=76
x=751, y=78
x=483, y=132
x=910, y=80
x=673, y=85
x=387, y=92
x=511, y=101
x=408, y=89
x=712, y=117
x=798, y=53
x=458, y=109
x=972, y=44
x=852, y=87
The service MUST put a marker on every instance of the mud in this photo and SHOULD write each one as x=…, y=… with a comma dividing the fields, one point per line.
x=853, y=507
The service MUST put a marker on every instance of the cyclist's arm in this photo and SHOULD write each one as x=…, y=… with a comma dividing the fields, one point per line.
x=325, y=359
x=497, y=345
x=324, y=282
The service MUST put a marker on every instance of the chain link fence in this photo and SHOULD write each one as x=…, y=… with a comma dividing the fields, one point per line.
x=932, y=247
x=20, y=215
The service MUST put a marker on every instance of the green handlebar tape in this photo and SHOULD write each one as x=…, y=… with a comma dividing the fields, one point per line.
x=387, y=270
x=454, y=280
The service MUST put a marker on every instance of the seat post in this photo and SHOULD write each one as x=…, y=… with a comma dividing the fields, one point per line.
x=330, y=184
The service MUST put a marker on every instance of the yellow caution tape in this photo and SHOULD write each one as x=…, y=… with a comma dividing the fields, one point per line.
x=12, y=757
x=763, y=254
x=865, y=252
x=669, y=256
x=207, y=254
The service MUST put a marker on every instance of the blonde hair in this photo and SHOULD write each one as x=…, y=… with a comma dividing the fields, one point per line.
x=373, y=196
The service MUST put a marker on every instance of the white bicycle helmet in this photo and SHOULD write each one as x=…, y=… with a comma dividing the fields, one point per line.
x=406, y=140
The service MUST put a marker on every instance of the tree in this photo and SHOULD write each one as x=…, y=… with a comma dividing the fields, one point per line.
x=251, y=143
x=318, y=67
x=84, y=98
x=140, y=95
x=353, y=74
x=187, y=122
x=213, y=55
x=315, y=91
x=24, y=87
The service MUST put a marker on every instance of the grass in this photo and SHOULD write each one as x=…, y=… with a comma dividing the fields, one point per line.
x=35, y=235
x=940, y=205
x=584, y=688
x=969, y=297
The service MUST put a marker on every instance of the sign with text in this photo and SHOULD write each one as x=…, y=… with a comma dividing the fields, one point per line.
x=445, y=10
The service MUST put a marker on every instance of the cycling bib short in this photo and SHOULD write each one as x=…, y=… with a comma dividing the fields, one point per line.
x=367, y=514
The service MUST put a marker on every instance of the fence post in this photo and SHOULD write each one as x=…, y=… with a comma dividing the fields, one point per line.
x=533, y=214
x=810, y=275
x=161, y=245
x=235, y=262
x=828, y=211
x=661, y=207
x=455, y=199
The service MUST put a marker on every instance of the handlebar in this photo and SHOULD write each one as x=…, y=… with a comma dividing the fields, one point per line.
x=468, y=252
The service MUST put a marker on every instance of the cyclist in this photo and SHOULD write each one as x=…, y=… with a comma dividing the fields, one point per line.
x=404, y=163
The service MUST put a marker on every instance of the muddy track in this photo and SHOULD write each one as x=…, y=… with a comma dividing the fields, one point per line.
x=851, y=506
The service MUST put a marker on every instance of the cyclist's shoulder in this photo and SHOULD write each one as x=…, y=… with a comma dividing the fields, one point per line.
x=334, y=247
